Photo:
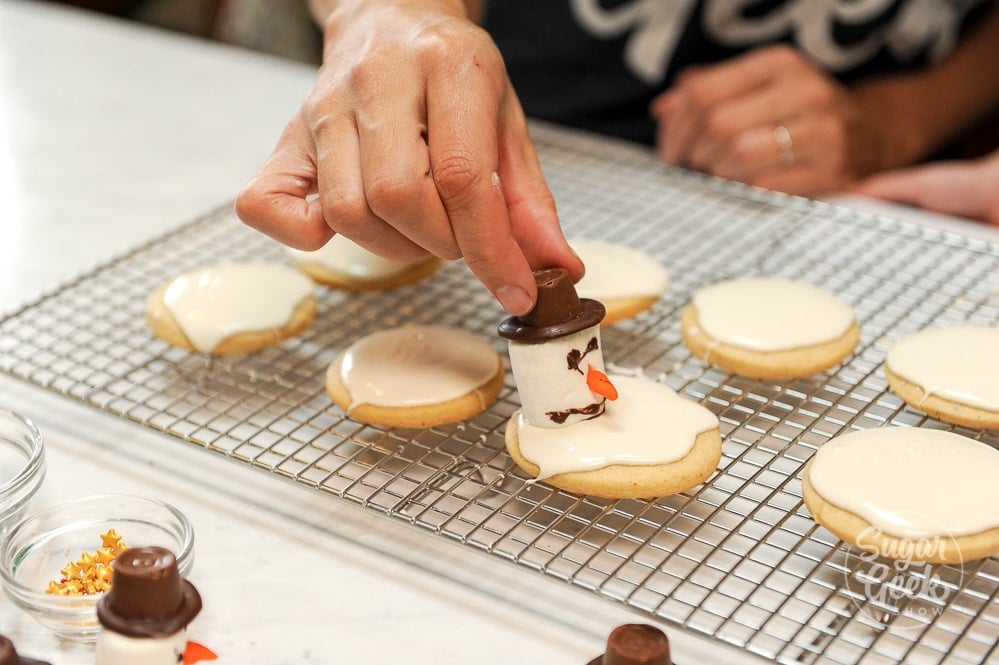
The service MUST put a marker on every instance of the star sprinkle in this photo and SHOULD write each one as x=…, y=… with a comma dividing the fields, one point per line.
x=92, y=572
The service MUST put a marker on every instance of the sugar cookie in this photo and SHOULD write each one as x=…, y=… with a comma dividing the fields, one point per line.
x=416, y=377
x=231, y=307
x=342, y=264
x=769, y=328
x=907, y=493
x=585, y=432
x=627, y=281
x=950, y=373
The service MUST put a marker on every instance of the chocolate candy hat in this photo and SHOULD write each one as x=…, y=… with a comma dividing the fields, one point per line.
x=559, y=311
x=8, y=655
x=635, y=644
x=148, y=598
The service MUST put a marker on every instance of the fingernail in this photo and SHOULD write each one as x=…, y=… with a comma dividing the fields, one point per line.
x=514, y=300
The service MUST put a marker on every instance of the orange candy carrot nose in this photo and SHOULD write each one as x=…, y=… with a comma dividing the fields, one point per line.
x=195, y=652
x=598, y=382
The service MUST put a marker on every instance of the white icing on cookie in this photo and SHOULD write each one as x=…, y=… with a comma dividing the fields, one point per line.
x=911, y=482
x=647, y=424
x=545, y=381
x=214, y=303
x=771, y=314
x=959, y=364
x=343, y=256
x=416, y=366
x=616, y=272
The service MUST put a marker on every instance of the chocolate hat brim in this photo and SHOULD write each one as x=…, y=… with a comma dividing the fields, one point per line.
x=189, y=608
x=514, y=328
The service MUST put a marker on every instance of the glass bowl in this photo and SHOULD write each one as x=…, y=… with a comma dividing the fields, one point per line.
x=22, y=465
x=37, y=548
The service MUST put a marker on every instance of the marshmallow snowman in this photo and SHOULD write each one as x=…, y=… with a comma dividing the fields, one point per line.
x=556, y=356
x=144, y=616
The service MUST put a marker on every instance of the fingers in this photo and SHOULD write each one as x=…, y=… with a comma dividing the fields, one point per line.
x=687, y=107
x=768, y=118
x=431, y=156
x=395, y=162
x=966, y=189
x=464, y=157
x=276, y=200
x=533, y=218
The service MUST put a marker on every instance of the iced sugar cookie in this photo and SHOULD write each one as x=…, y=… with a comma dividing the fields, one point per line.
x=585, y=432
x=769, y=328
x=232, y=307
x=416, y=377
x=907, y=493
x=342, y=264
x=950, y=373
x=627, y=281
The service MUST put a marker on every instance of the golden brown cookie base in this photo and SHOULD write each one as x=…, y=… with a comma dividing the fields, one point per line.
x=853, y=529
x=337, y=280
x=630, y=481
x=163, y=325
x=776, y=365
x=415, y=417
x=940, y=408
x=625, y=308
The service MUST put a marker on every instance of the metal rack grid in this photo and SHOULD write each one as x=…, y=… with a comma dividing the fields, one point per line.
x=738, y=559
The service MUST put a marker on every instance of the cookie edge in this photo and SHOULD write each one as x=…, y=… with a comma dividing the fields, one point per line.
x=848, y=526
x=630, y=481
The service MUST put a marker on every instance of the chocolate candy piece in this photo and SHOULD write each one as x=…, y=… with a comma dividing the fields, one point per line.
x=148, y=598
x=559, y=311
x=635, y=644
x=8, y=655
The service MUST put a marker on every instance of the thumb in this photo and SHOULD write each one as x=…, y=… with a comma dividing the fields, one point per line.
x=533, y=218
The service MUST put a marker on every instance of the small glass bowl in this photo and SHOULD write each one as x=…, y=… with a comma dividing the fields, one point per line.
x=22, y=465
x=39, y=546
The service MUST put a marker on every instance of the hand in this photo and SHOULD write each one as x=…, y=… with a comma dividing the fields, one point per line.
x=963, y=188
x=726, y=120
x=415, y=142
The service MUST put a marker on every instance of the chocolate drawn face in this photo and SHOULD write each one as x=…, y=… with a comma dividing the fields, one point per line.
x=591, y=411
x=574, y=357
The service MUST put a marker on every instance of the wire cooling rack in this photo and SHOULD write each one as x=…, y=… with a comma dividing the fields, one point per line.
x=737, y=559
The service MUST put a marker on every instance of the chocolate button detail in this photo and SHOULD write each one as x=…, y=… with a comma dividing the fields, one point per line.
x=559, y=311
x=635, y=644
x=148, y=598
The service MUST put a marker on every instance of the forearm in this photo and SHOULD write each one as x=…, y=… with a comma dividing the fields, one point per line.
x=919, y=114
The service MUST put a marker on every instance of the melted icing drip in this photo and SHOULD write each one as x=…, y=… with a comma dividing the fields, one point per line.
x=214, y=303
x=648, y=424
x=959, y=364
x=911, y=482
x=417, y=365
x=771, y=314
x=615, y=271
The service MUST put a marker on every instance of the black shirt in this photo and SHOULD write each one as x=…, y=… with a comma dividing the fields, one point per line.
x=597, y=64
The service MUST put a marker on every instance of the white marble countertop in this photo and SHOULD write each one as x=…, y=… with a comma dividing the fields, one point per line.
x=111, y=133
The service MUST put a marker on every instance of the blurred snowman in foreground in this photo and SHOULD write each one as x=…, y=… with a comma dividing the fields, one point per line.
x=144, y=616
